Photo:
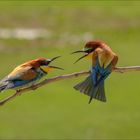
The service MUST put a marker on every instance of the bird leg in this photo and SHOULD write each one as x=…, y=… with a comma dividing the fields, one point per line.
x=18, y=92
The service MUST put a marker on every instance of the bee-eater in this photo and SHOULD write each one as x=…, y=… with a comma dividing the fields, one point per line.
x=27, y=74
x=103, y=62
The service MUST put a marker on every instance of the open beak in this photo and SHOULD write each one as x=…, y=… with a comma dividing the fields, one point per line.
x=50, y=60
x=47, y=69
x=54, y=58
x=54, y=67
x=78, y=52
x=80, y=57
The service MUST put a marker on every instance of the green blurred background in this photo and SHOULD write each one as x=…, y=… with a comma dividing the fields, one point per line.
x=57, y=111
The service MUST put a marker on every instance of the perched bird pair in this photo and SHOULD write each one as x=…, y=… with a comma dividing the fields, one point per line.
x=103, y=62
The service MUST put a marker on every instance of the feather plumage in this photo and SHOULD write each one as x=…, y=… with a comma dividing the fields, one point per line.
x=103, y=62
x=23, y=75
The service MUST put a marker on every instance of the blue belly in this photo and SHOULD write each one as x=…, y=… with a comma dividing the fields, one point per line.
x=20, y=83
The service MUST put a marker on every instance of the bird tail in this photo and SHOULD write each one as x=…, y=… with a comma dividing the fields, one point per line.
x=87, y=87
x=5, y=84
x=2, y=87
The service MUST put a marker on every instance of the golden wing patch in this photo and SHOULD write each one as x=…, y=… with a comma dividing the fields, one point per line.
x=18, y=72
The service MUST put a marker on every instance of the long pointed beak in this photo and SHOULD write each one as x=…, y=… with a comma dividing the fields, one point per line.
x=78, y=52
x=50, y=60
x=81, y=51
x=54, y=58
x=80, y=58
x=54, y=67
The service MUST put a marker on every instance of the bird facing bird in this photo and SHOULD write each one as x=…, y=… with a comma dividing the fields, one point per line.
x=27, y=74
x=104, y=61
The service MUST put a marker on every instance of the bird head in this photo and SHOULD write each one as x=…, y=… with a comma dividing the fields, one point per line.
x=89, y=48
x=44, y=64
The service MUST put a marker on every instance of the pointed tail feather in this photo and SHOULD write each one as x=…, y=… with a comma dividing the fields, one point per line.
x=101, y=92
x=98, y=93
x=5, y=84
x=3, y=87
x=89, y=89
x=85, y=86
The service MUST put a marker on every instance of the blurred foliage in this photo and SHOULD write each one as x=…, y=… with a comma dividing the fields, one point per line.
x=57, y=111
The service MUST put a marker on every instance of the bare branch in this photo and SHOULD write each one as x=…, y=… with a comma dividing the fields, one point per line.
x=62, y=77
x=127, y=69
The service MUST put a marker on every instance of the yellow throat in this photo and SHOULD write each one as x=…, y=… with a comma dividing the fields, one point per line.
x=46, y=68
x=89, y=56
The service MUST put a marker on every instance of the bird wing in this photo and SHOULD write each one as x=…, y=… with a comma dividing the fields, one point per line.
x=105, y=57
x=94, y=58
x=22, y=73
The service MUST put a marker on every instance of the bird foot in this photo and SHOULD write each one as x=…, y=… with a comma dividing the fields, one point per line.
x=18, y=92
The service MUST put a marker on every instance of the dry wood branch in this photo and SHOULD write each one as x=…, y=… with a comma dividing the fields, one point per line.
x=62, y=77
x=127, y=69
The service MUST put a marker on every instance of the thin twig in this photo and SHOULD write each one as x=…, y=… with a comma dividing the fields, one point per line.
x=127, y=69
x=62, y=77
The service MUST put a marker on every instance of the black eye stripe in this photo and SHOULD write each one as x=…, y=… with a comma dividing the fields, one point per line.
x=89, y=50
x=45, y=62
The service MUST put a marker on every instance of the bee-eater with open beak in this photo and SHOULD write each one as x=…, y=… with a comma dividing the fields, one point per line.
x=27, y=74
x=103, y=62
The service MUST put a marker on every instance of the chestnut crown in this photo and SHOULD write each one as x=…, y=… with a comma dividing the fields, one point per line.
x=92, y=45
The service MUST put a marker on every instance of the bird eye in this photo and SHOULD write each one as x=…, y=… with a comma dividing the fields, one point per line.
x=47, y=62
x=89, y=50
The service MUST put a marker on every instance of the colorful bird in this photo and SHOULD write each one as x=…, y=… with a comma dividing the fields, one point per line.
x=27, y=74
x=103, y=62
